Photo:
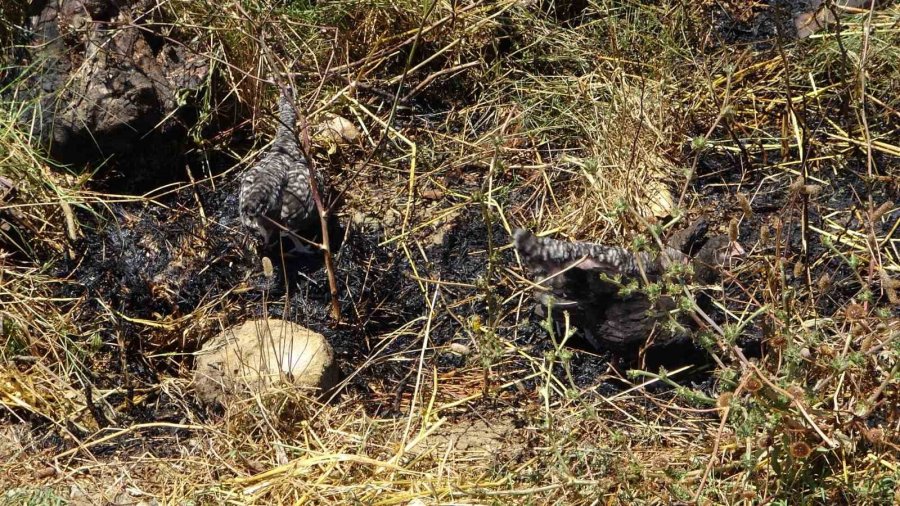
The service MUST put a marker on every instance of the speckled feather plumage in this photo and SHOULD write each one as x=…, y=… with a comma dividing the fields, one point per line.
x=275, y=197
x=585, y=280
x=549, y=255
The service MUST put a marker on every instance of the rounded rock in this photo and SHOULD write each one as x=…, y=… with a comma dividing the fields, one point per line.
x=261, y=356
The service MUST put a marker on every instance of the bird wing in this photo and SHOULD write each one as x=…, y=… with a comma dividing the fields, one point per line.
x=261, y=192
x=549, y=256
x=584, y=276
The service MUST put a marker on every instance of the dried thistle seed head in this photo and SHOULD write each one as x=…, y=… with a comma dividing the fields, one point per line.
x=887, y=281
x=778, y=341
x=824, y=282
x=881, y=210
x=800, y=450
x=724, y=400
x=744, y=203
x=893, y=296
x=867, y=343
x=874, y=435
x=811, y=189
x=753, y=384
x=733, y=230
x=854, y=311
x=796, y=390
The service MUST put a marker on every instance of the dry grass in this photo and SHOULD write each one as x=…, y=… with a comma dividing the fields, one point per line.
x=586, y=127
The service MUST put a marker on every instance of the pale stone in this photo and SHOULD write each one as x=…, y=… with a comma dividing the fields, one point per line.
x=260, y=356
x=660, y=202
x=337, y=130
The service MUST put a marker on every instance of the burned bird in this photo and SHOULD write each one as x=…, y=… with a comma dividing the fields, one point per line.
x=604, y=289
x=276, y=200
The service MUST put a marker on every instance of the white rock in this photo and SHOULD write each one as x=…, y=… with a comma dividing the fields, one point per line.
x=460, y=349
x=337, y=130
x=262, y=355
x=659, y=200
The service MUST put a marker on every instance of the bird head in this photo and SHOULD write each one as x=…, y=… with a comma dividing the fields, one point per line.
x=717, y=253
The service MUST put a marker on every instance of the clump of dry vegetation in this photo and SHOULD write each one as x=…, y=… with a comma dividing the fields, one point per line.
x=602, y=120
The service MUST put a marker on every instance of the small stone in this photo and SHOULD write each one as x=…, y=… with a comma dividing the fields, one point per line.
x=337, y=130
x=460, y=349
x=263, y=355
x=660, y=202
x=268, y=269
x=439, y=236
x=432, y=194
x=366, y=221
x=391, y=217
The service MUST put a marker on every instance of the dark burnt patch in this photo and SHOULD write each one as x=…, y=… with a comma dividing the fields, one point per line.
x=154, y=279
x=161, y=257
x=830, y=273
x=759, y=24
